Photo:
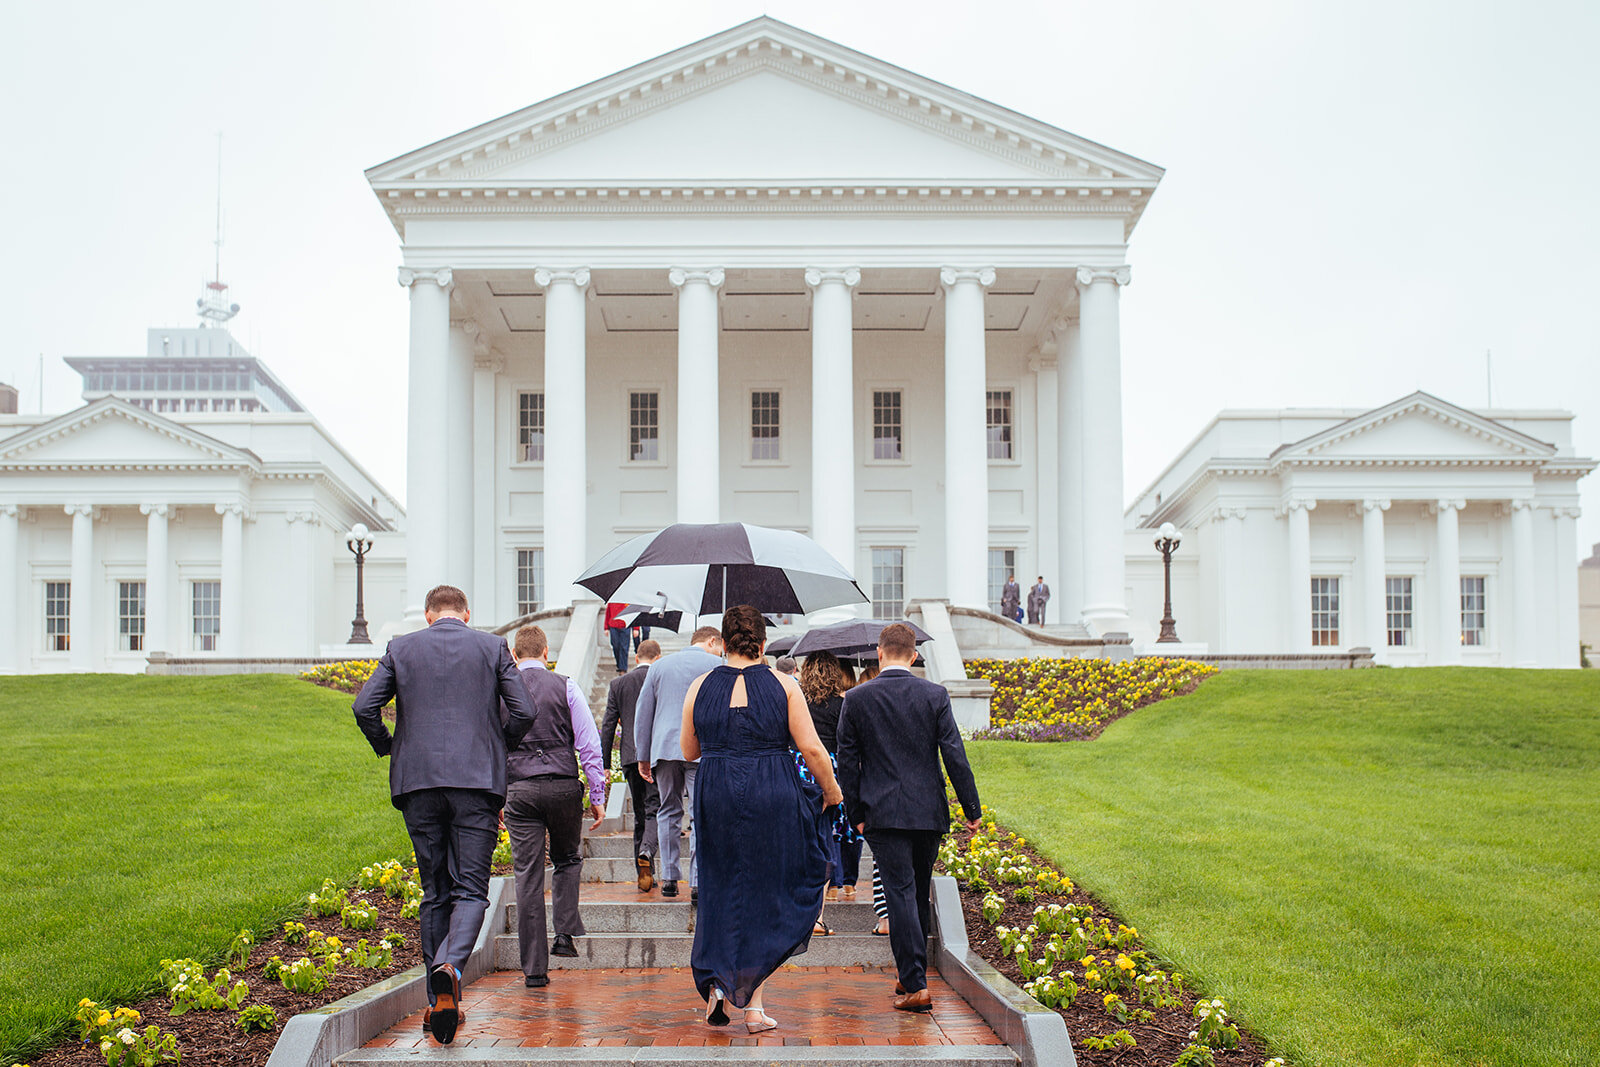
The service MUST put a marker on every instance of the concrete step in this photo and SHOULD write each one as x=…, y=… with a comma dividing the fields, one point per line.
x=471, y=1055
x=651, y=914
x=672, y=950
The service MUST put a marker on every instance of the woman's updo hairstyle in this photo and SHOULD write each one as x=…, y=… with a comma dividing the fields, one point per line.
x=744, y=631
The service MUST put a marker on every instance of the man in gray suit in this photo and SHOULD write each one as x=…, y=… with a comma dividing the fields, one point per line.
x=447, y=775
x=658, y=719
x=622, y=700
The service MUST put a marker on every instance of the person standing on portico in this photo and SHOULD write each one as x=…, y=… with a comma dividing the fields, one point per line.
x=1038, y=597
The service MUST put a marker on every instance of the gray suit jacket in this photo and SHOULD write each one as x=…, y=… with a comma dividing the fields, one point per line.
x=447, y=682
x=658, y=718
x=621, y=700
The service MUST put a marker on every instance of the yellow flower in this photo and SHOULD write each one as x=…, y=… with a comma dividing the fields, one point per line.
x=1124, y=962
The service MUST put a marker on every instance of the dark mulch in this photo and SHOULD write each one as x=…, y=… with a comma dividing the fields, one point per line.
x=1158, y=1041
x=213, y=1038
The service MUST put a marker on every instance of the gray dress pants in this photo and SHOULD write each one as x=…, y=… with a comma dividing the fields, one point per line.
x=534, y=807
x=675, y=781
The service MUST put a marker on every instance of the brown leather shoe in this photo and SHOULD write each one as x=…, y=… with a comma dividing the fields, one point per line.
x=427, y=1019
x=899, y=990
x=921, y=1000
x=647, y=877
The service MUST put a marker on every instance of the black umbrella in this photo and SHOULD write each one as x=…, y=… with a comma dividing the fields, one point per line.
x=704, y=568
x=644, y=615
x=853, y=637
x=780, y=646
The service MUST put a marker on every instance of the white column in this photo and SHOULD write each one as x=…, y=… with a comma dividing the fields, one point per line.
x=1229, y=575
x=833, y=392
x=488, y=451
x=80, y=611
x=301, y=591
x=427, y=455
x=157, y=609
x=10, y=610
x=1447, y=573
x=1299, y=628
x=1100, y=349
x=1566, y=605
x=230, y=639
x=966, y=452
x=1068, y=582
x=566, y=444
x=699, y=458
x=1524, y=621
x=1374, y=574
x=1047, y=453
x=458, y=438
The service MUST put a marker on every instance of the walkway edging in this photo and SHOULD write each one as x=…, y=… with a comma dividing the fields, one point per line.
x=1037, y=1034
x=316, y=1038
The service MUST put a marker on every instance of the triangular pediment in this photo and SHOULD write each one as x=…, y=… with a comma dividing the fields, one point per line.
x=111, y=433
x=1417, y=427
x=763, y=101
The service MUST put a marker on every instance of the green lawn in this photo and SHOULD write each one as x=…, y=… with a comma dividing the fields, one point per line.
x=1377, y=867
x=143, y=818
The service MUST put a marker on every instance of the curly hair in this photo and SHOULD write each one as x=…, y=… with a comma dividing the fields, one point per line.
x=821, y=679
x=744, y=631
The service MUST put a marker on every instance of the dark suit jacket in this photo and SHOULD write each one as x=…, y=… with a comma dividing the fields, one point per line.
x=892, y=732
x=447, y=682
x=621, y=698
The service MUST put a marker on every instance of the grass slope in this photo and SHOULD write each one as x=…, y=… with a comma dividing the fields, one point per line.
x=1377, y=867
x=143, y=818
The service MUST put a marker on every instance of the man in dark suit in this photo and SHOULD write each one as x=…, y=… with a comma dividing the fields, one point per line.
x=892, y=732
x=621, y=699
x=447, y=775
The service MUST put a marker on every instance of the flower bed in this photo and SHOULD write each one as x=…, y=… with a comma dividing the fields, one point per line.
x=1074, y=699
x=347, y=676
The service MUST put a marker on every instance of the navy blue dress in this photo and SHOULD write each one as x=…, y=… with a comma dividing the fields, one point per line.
x=759, y=828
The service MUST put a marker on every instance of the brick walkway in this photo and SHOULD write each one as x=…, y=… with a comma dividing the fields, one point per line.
x=813, y=1006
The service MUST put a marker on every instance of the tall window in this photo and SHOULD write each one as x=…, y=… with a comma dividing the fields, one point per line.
x=1324, y=612
x=644, y=427
x=1002, y=564
x=888, y=582
x=1474, y=610
x=999, y=434
x=1397, y=611
x=130, y=616
x=764, y=425
x=886, y=425
x=207, y=615
x=530, y=427
x=57, y=616
x=530, y=579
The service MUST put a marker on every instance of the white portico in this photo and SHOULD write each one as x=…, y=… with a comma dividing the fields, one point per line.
x=770, y=279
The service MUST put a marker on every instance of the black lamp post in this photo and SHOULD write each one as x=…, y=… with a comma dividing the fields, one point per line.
x=1167, y=541
x=359, y=541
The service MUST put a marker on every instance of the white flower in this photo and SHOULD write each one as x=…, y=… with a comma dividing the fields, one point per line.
x=126, y=1036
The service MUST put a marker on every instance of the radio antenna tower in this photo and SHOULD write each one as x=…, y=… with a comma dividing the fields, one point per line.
x=213, y=303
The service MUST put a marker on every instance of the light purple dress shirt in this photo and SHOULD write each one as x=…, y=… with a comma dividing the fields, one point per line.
x=585, y=735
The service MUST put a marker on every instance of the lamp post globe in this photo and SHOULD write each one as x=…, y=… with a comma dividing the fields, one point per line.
x=1167, y=541
x=359, y=541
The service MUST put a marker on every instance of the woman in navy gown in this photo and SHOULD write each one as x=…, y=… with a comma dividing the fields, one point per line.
x=760, y=828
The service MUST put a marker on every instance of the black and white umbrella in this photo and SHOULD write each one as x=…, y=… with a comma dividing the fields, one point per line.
x=645, y=615
x=703, y=568
x=852, y=639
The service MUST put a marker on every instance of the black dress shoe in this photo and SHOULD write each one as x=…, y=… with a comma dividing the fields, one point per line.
x=694, y=895
x=445, y=985
x=535, y=981
x=427, y=1020
x=563, y=946
x=669, y=889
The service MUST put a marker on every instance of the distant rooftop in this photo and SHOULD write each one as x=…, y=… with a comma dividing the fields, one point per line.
x=187, y=369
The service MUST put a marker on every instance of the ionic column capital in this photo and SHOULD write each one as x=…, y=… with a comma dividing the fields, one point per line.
x=1087, y=276
x=1521, y=505
x=443, y=276
x=544, y=277
x=1223, y=513
x=86, y=510
x=10, y=511
x=234, y=508
x=850, y=277
x=1439, y=507
x=160, y=511
x=681, y=276
x=1294, y=504
x=950, y=276
x=1043, y=359
x=307, y=517
x=1571, y=511
x=1375, y=505
x=488, y=360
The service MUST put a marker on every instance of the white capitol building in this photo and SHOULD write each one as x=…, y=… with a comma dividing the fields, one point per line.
x=886, y=314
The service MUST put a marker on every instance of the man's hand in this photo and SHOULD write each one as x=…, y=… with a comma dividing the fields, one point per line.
x=861, y=827
x=644, y=772
x=599, y=814
x=835, y=797
x=974, y=824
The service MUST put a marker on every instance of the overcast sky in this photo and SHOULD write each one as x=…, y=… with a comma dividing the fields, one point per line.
x=1361, y=198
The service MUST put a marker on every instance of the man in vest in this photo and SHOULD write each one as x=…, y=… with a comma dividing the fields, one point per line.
x=544, y=794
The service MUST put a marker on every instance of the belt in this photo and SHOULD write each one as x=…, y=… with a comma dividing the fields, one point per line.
x=546, y=778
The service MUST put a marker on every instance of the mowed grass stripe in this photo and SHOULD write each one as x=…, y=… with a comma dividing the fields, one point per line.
x=143, y=818
x=1374, y=867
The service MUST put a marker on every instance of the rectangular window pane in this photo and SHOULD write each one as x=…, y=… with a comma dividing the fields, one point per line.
x=530, y=579
x=57, y=616
x=644, y=427
x=1397, y=611
x=130, y=616
x=999, y=424
x=764, y=425
x=1474, y=611
x=530, y=427
x=886, y=424
x=1002, y=565
x=1324, y=612
x=888, y=582
x=207, y=615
